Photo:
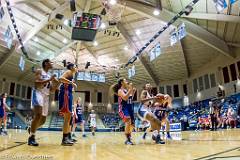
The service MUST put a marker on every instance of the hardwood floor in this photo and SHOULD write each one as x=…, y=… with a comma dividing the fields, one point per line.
x=110, y=146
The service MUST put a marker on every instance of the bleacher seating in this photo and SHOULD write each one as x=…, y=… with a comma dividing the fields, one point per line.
x=110, y=120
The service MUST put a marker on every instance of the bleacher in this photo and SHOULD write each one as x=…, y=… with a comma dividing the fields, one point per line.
x=110, y=120
x=56, y=120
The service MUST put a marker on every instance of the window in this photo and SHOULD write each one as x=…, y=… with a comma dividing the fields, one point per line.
x=29, y=92
x=233, y=72
x=12, y=87
x=206, y=80
x=115, y=98
x=176, y=90
x=56, y=95
x=201, y=87
x=99, y=97
x=169, y=90
x=161, y=89
x=225, y=75
x=6, y=87
x=87, y=96
x=1, y=86
x=195, y=86
x=213, y=80
x=135, y=96
x=23, y=91
x=154, y=91
x=18, y=90
x=238, y=66
x=185, y=89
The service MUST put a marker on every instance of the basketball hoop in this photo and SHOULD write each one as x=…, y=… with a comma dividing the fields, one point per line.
x=113, y=12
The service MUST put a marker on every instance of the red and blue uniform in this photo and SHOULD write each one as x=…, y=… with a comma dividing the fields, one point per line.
x=126, y=108
x=2, y=110
x=79, y=113
x=65, y=98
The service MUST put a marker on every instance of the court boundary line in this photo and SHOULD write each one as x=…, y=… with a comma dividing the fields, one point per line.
x=223, y=157
x=22, y=143
x=215, y=154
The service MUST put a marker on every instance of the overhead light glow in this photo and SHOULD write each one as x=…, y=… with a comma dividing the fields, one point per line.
x=65, y=40
x=66, y=22
x=112, y=2
x=199, y=95
x=156, y=12
x=116, y=60
x=95, y=43
x=103, y=25
x=36, y=39
x=138, y=32
x=126, y=48
x=38, y=53
x=238, y=82
x=30, y=20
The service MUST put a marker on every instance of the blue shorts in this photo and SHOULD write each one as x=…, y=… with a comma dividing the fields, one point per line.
x=2, y=113
x=65, y=100
x=160, y=114
x=79, y=119
x=125, y=113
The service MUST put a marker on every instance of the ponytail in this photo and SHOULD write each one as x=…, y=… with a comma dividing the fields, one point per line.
x=115, y=87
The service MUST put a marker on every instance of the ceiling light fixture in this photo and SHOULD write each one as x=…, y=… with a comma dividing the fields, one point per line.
x=38, y=53
x=66, y=21
x=112, y=2
x=156, y=12
x=95, y=43
x=138, y=32
x=36, y=39
x=65, y=40
x=103, y=25
x=30, y=20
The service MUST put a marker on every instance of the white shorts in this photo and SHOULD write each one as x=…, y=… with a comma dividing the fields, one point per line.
x=142, y=112
x=93, y=124
x=40, y=99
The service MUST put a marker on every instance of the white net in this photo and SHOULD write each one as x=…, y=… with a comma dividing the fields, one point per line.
x=114, y=12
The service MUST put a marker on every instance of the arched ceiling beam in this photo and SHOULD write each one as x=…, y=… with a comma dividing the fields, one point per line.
x=214, y=17
x=143, y=61
x=193, y=30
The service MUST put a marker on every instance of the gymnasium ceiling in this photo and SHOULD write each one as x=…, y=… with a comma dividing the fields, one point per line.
x=209, y=34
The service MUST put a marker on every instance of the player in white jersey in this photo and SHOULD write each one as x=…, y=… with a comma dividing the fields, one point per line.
x=93, y=123
x=144, y=113
x=40, y=99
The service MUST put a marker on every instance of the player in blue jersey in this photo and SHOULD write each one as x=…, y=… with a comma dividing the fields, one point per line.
x=78, y=117
x=125, y=93
x=3, y=114
x=66, y=100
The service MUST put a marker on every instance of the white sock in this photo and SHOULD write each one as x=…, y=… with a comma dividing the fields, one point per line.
x=155, y=133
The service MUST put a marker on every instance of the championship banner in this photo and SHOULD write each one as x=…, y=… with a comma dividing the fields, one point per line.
x=175, y=127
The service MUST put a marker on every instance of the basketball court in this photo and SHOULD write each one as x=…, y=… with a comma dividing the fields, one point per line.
x=120, y=66
x=203, y=145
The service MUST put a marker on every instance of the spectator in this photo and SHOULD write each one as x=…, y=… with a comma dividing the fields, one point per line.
x=232, y=118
